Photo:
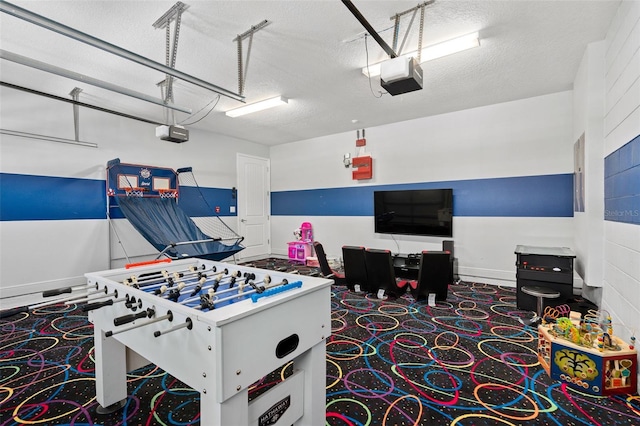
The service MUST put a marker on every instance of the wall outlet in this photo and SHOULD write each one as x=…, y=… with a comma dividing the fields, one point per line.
x=232, y=209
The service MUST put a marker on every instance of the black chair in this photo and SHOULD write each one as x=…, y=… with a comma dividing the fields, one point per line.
x=325, y=269
x=381, y=274
x=355, y=268
x=434, y=276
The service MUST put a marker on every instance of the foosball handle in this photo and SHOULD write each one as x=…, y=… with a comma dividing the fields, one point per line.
x=91, y=306
x=276, y=290
x=56, y=292
x=125, y=319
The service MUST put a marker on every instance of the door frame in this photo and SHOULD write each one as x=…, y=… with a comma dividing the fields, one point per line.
x=241, y=208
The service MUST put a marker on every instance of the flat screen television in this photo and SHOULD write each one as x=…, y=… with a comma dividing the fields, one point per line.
x=414, y=212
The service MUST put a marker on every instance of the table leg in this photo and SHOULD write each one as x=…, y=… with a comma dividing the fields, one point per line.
x=314, y=364
x=233, y=411
x=111, y=374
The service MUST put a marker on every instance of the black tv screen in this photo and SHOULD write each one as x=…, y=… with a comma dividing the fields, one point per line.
x=414, y=212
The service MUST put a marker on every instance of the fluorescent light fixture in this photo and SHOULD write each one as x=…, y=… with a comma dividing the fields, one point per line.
x=258, y=106
x=434, y=51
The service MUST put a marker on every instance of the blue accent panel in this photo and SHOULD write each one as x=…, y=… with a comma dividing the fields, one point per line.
x=528, y=196
x=626, y=156
x=114, y=209
x=622, y=184
x=29, y=197
x=357, y=201
x=192, y=202
x=611, y=163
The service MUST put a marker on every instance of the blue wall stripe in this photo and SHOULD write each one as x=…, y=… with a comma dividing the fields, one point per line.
x=193, y=204
x=622, y=183
x=527, y=196
x=28, y=197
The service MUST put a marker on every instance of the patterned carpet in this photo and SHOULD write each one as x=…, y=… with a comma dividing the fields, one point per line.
x=467, y=361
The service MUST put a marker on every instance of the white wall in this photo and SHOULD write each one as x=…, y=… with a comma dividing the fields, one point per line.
x=521, y=138
x=36, y=255
x=621, y=292
x=588, y=119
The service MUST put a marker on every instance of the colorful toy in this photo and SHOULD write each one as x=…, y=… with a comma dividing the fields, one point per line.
x=302, y=248
x=584, y=353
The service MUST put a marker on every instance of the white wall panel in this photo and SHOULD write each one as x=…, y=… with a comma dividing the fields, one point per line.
x=622, y=108
x=520, y=138
x=484, y=246
x=588, y=95
x=38, y=255
x=622, y=133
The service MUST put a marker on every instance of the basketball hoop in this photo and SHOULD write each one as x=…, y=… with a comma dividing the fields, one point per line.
x=168, y=193
x=134, y=192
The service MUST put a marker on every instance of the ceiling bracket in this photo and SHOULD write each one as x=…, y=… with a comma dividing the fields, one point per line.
x=75, y=95
x=75, y=34
x=396, y=27
x=32, y=63
x=242, y=71
x=174, y=14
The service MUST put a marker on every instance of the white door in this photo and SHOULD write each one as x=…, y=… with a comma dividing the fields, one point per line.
x=254, y=206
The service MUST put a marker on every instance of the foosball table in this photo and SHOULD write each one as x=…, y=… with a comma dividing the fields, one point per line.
x=218, y=328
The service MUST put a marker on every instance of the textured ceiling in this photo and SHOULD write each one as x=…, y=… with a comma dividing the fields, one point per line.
x=312, y=53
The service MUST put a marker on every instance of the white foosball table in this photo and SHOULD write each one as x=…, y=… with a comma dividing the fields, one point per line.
x=218, y=328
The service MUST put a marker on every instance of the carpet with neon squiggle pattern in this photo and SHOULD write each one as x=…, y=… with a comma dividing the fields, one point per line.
x=466, y=361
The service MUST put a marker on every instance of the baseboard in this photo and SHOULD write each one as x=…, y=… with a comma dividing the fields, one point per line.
x=488, y=276
x=39, y=287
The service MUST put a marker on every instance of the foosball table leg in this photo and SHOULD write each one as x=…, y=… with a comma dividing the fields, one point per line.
x=111, y=374
x=233, y=411
x=313, y=363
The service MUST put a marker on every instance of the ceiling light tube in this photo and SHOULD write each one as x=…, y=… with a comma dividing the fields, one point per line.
x=434, y=51
x=258, y=106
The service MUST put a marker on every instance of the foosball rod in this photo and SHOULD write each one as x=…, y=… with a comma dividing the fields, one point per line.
x=240, y=280
x=188, y=324
x=152, y=274
x=168, y=316
x=197, y=287
x=239, y=288
x=91, y=299
x=214, y=300
x=164, y=283
x=209, y=288
x=165, y=277
x=254, y=291
x=64, y=290
x=174, y=292
x=26, y=309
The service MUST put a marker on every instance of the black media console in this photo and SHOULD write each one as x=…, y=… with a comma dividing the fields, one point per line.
x=407, y=265
x=549, y=267
x=431, y=270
